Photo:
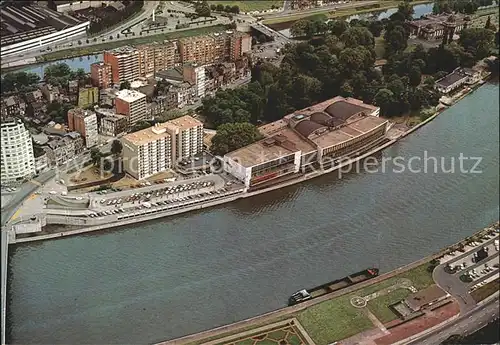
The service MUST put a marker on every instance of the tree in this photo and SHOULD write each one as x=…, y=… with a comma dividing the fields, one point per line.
x=384, y=99
x=338, y=27
x=396, y=40
x=18, y=80
x=235, y=9
x=478, y=41
x=406, y=9
x=116, y=147
x=95, y=156
x=220, y=7
x=125, y=85
x=357, y=36
x=415, y=76
x=140, y=126
x=262, y=38
x=376, y=27
x=232, y=136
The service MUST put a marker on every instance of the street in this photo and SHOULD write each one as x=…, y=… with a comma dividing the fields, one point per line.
x=465, y=324
x=288, y=12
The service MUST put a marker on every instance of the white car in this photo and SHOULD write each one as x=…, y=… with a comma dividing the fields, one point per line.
x=53, y=192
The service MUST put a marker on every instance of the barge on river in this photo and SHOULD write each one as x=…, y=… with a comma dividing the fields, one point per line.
x=356, y=278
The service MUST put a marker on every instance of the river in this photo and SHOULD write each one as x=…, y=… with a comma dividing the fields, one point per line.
x=184, y=274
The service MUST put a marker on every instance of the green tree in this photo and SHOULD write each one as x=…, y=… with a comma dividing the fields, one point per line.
x=220, y=7
x=125, y=85
x=357, y=36
x=232, y=136
x=384, y=99
x=95, y=156
x=235, y=9
x=396, y=40
x=478, y=41
x=338, y=27
x=406, y=9
x=116, y=147
x=415, y=76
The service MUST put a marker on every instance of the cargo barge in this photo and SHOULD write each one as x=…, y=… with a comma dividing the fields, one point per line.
x=356, y=278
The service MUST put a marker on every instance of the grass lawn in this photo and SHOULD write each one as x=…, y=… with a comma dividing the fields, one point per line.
x=379, y=306
x=249, y=6
x=334, y=320
x=75, y=52
x=485, y=290
x=337, y=319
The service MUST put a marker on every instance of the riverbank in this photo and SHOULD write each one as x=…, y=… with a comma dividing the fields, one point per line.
x=284, y=22
x=101, y=47
x=233, y=197
x=416, y=271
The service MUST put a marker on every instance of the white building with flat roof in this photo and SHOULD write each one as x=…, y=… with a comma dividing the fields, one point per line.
x=18, y=160
x=132, y=104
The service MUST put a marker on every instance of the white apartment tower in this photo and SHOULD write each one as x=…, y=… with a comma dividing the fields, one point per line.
x=18, y=160
x=187, y=137
x=132, y=104
x=147, y=152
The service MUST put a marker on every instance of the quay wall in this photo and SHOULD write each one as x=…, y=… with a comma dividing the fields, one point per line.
x=288, y=311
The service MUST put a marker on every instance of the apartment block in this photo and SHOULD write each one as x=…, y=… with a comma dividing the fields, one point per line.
x=147, y=152
x=203, y=50
x=113, y=125
x=155, y=149
x=156, y=57
x=124, y=64
x=17, y=160
x=239, y=44
x=101, y=75
x=85, y=123
x=187, y=137
x=132, y=104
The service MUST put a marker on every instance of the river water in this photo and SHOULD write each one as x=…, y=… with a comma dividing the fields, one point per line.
x=184, y=274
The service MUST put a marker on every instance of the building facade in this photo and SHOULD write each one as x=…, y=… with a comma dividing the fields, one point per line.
x=131, y=104
x=156, y=57
x=320, y=136
x=18, y=159
x=124, y=64
x=187, y=137
x=101, y=75
x=85, y=123
x=88, y=96
x=147, y=152
x=195, y=75
x=113, y=125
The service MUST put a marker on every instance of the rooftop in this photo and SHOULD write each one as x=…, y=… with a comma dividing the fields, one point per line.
x=162, y=130
x=263, y=151
x=21, y=22
x=185, y=122
x=423, y=297
x=81, y=113
x=451, y=78
x=130, y=95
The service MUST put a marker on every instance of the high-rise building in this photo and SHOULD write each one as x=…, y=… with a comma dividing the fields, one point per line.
x=156, y=57
x=203, y=50
x=18, y=160
x=132, y=104
x=155, y=149
x=124, y=63
x=85, y=123
x=239, y=44
x=147, y=152
x=101, y=74
x=187, y=137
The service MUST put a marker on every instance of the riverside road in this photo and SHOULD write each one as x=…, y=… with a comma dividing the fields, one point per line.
x=196, y=271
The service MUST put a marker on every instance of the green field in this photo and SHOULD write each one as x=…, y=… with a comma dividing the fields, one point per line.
x=337, y=319
x=485, y=290
x=249, y=6
x=380, y=305
x=97, y=48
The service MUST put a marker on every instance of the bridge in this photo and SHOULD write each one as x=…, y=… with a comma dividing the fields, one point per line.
x=278, y=36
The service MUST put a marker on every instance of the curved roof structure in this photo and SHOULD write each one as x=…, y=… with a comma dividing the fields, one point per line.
x=343, y=110
x=306, y=127
x=321, y=118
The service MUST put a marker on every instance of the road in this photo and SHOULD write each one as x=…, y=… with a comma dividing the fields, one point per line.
x=465, y=324
x=278, y=37
x=288, y=12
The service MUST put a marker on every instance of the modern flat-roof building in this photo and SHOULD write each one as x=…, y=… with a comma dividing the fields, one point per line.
x=85, y=123
x=322, y=134
x=132, y=104
x=101, y=74
x=28, y=27
x=147, y=152
x=64, y=6
x=155, y=149
x=124, y=63
x=18, y=160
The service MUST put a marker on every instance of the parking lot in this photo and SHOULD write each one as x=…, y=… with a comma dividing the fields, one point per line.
x=480, y=265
